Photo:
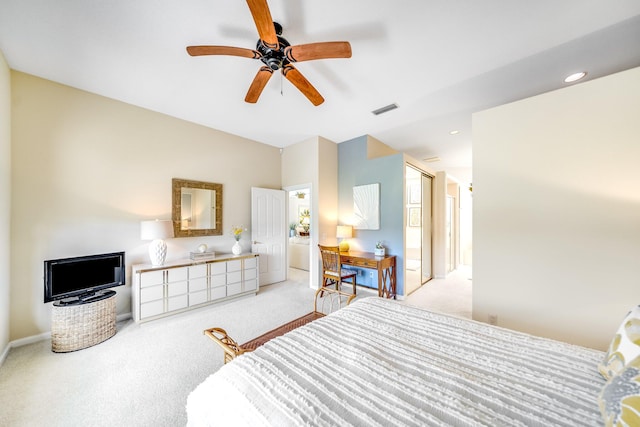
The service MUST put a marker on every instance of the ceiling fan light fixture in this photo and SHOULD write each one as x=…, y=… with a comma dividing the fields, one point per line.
x=575, y=77
x=385, y=109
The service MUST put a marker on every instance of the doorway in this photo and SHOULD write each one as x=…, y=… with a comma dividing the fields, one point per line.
x=268, y=237
x=299, y=232
x=418, y=230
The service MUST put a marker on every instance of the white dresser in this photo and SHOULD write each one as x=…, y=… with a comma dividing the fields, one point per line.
x=182, y=285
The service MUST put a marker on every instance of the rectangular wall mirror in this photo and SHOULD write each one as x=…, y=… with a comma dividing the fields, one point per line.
x=196, y=208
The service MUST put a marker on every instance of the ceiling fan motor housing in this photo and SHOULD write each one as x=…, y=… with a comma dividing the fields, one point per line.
x=273, y=58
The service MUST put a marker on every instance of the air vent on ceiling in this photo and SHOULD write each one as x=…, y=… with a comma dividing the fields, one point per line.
x=385, y=109
x=431, y=159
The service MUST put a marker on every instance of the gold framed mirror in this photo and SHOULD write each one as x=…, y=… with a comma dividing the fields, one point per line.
x=196, y=208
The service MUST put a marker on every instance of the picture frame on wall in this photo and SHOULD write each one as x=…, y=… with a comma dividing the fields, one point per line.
x=414, y=217
x=366, y=207
x=414, y=193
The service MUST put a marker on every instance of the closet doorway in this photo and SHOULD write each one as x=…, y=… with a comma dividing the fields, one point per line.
x=418, y=230
x=299, y=221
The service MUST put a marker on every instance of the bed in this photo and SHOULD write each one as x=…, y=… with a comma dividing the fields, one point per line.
x=379, y=362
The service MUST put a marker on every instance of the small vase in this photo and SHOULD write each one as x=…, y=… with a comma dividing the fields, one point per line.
x=236, y=249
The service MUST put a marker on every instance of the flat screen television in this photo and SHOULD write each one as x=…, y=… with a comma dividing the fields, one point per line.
x=72, y=280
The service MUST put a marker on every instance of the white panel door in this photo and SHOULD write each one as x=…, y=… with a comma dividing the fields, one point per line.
x=269, y=233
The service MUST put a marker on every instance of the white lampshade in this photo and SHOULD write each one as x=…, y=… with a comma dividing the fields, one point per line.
x=344, y=232
x=157, y=231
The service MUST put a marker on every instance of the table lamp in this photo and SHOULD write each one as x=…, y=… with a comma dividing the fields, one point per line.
x=157, y=231
x=344, y=232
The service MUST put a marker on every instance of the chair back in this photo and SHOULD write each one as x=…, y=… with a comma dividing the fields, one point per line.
x=329, y=300
x=330, y=258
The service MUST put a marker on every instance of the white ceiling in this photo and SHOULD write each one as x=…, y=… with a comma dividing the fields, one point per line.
x=438, y=60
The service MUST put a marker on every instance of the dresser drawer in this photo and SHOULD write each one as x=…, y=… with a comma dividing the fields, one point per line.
x=219, y=280
x=217, y=268
x=197, y=271
x=177, y=274
x=151, y=278
x=251, y=285
x=174, y=289
x=235, y=265
x=234, y=277
x=250, y=262
x=196, y=298
x=359, y=262
x=217, y=293
x=176, y=303
x=151, y=293
x=250, y=274
x=234, y=289
x=197, y=284
x=151, y=309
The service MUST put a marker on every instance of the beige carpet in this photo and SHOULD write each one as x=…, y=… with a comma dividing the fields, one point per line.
x=450, y=296
x=143, y=375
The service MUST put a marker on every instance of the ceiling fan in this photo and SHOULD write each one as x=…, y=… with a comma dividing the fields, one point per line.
x=276, y=53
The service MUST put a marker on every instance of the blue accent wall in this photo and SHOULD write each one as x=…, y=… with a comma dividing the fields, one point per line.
x=355, y=169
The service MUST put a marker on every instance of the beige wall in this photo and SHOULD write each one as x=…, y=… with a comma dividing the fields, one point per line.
x=87, y=169
x=556, y=205
x=5, y=202
x=314, y=162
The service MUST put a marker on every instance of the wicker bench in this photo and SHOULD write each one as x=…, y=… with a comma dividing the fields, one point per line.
x=326, y=301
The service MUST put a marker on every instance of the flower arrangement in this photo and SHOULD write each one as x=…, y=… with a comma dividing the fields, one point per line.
x=380, y=250
x=379, y=245
x=237, y=231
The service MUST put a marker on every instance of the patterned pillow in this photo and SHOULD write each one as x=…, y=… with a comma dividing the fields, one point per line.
x=624, y=347
x=619, y=400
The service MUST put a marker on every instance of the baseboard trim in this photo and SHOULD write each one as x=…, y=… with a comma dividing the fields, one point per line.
x=125, y=316
x=4, y=354
x=30, y=340
x=23, y=341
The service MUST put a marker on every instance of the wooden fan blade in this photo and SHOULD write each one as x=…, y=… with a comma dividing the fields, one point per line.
x=264, y=23
x=223, y=50
x=294, y=76
x=258, y=84
x=323, y=50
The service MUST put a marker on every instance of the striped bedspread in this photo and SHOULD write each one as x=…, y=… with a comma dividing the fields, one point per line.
x=378, y=362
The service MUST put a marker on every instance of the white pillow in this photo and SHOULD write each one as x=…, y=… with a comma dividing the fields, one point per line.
x=619, y=400
x=624, y=347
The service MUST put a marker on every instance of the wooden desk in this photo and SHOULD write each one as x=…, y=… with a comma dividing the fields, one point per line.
x=386, y=266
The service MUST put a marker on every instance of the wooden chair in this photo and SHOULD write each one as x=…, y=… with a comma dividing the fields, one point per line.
x=325, y=302
x=332, y=271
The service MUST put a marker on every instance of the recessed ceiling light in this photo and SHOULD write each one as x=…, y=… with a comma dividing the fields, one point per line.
x=575, y=77
x=454, y=132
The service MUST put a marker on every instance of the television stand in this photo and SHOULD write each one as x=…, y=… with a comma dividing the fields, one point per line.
x=82, y=324
x=85, y=298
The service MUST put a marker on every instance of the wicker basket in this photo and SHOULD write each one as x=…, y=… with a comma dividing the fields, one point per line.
x=74, y=327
